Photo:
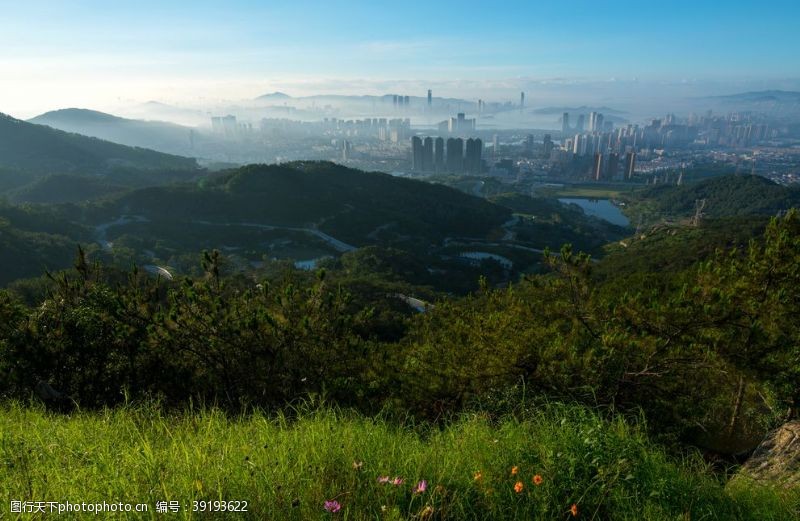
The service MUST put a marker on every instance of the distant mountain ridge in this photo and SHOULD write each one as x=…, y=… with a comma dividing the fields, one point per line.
x=761, y=96
x=161, y=136
x=280, y=96
x=76, y=115
x=42, y=164
x=37, y=148
x=581, y=110
x=274, y=95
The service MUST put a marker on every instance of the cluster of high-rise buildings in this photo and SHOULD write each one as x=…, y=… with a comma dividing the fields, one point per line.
x=395, y=130
x=597, y=123
x=609, y=150
x=228, y=126
x=606, y=167
x=399, y=101
x=457, y=125
x=430, y=155
x=733, y=130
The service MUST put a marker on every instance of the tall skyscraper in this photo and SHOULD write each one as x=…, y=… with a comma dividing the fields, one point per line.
x=565, y=124
x=598, y=122
x=438, y=155
x=580, y=144
x=427, y=154
x=430, y=98
x=406, y=100
x=547, y=145
x=478, y=155
x=630, y=165
x=529, y=144
x=597, y=171
x=521, y=100
x=460, y=124
x=416, y=154
x=472, y=159
x=612, y=167
x=455, y=155
x=579, y=123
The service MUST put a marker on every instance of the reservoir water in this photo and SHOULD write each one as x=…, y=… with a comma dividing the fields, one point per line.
x=602, y=208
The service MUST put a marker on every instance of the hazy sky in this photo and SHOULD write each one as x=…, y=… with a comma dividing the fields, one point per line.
x=96, y=54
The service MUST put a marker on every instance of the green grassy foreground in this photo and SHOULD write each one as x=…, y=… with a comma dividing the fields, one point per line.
x=287, y=469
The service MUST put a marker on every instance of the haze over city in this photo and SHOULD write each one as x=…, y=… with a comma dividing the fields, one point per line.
x=634, y=55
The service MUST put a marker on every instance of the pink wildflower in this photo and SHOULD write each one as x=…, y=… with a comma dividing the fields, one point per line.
x=332, y=506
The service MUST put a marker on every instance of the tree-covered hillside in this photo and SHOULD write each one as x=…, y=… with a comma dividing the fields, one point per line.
x=550, y=223
x=155, y=135
x=25, y=253
x=724, y=196
x=353, y=206
x=40, y=149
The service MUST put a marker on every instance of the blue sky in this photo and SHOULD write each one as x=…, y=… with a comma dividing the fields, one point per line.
x=84, y=50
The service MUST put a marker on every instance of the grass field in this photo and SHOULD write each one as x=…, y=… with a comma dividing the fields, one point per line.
x=289, y=469
x=588, y=190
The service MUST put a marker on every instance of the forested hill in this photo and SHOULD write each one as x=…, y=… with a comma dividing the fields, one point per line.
x=155, y=135
x=349, y=204
x=725, y=196
x=43, y=150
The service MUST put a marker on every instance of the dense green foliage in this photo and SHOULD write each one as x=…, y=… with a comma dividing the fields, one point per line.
x=348, y=204
x=65, y=188
x=664, y=250
x=32, y=242
x=565, y=335
x=725, y=196
x=261, y=214
x=287, y=468
x=35, y=239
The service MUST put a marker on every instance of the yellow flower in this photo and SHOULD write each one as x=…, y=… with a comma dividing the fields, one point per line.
x=518, y=486
x=478, y=475
x=514, y=470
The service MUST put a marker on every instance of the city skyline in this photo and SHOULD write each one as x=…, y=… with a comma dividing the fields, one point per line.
x=97, y=55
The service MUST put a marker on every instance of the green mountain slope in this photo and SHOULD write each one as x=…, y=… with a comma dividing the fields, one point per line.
x=155, y=135
x=354, y=206
x=725, y=196
x=44, y=150
x=65, y=188
x=25, y=253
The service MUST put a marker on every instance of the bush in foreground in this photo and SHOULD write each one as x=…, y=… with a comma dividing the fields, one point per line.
x=327, y=464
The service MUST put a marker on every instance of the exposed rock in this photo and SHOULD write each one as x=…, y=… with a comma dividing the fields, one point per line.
x=777, y=458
